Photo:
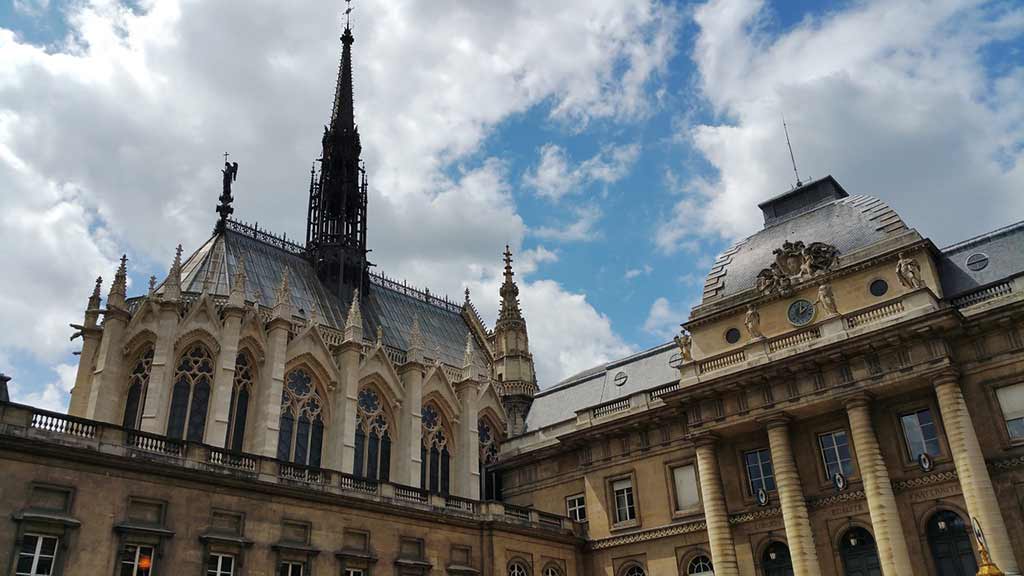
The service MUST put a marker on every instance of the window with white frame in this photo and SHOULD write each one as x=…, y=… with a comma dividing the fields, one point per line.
x=919, y=432
x=835, y=453
x=625, y=506
x=37, y=555
x=635, y=571
x=220, y=565
x=517, y=569
x=552, y=571
x=288, y=568
x=1011, y=400
x=137, y=560
x=684, y=480
x=354, y=572
x=760, y=473
x=701, y=565
x=576, y=507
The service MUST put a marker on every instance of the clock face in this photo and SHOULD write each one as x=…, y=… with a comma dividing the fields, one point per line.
x=801, y=312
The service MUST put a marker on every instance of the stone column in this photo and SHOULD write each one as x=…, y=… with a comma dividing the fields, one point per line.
x=467, y=457
x=346, y=398
x=885, y=518
x=92, y=335
x=224, y=379
x=267, y=403
x=723, y=549
x=161, y=379
x=410, y=425
x=105, y=402
x=791, y=498
x=972, y=470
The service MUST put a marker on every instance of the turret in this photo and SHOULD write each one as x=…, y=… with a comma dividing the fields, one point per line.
x=513, y=363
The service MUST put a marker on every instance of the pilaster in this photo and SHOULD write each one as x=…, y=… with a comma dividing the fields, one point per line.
x=158, y=394
x=791, y=498
x=716, y=515
x=410, y=428
x=92, y=335
x=885, y=519
x=224, y=379
x=972, y=470
x=108, y=382
x=267, y=404
x=467, y=457
x=346, y=398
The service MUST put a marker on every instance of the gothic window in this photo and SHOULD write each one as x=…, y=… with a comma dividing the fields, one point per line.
x=191, y=394
x=373, y=438
x=138, y=382
x=241, y=391
x=488, y=456
x=435, y=458
x=301, y=435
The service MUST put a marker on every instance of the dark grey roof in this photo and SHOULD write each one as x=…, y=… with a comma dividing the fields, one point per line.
x=1004, y=249
x=387, y=303
x=848, y=223
x=644, y=371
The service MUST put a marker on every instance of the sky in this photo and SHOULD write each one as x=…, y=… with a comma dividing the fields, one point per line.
x=616, y=145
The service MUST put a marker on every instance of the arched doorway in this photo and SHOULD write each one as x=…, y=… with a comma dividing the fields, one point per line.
x=775, y=561
x=860, y=556
x=951, y=545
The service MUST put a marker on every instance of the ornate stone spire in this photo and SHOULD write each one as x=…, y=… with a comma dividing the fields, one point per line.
x=92, y=309
x=94, y=299
x=468, y=358
x=354, y=321
x=415, y=352
x=172, y=286
x=380, y=336
x=118, y=290
x=509, y=292
x=237, y=295
x=283, y=299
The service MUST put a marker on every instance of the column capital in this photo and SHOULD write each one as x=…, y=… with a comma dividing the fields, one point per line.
x=704, y=439
x=780, y=420
x=946, y=376
x=858, y=400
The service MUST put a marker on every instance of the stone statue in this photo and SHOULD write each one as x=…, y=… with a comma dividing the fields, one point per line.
x=685, y=343
x=796, y=262
x=230, y=173
x=827, y=298
x=753, y=322
x=909, y=272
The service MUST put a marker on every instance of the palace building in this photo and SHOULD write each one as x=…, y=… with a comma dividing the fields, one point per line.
x=846, y=399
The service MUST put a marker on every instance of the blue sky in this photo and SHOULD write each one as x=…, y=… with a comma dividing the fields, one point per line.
x=618, y=146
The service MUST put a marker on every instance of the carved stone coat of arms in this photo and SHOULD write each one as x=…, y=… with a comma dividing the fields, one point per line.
x=795, y=261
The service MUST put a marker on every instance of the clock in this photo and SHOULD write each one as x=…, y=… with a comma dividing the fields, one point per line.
x=801, y=312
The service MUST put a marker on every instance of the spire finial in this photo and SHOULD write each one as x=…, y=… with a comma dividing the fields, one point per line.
x=230, y=174
x=152, y=285
x=348, y=14
x=118, y=290
x=172, y=286
x=509, y=292
x=96, y=289
x=467, y=293
x=415, y=352
x=791, y=157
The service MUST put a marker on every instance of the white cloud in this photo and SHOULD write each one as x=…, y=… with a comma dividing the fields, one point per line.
x=111, y=140
x=581, y=229
x=893, y=98
x=663, y=319
x=645, y=270
x=31, y=7
x=553, y=177
x=53, y=396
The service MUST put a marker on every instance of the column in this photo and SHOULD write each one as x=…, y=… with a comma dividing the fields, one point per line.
x=885, y=518
x=410, y=427
x=108, y=381
x=267, y=403
x=467, y=458
x=346, y=399
x=92, y=335
x=791, y=498
x=716, y=516
x=972, y=470
x=224, y=379
x=161, y=378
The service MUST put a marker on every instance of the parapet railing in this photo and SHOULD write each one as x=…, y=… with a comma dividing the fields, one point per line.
x=26, y=422
x=983, y=295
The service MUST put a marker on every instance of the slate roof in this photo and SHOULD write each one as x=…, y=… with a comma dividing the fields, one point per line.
x=644, y=371
x=387, y=304
x=1005, y=251
x=847, y=222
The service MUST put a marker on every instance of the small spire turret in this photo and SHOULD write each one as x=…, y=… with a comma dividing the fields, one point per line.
x=415, y=352
x=119, y=289
x=354, y=321
x=172, y=286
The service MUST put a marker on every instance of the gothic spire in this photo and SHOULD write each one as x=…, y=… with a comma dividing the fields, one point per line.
x=509, y=292
x=343, y=114
x=118, y=289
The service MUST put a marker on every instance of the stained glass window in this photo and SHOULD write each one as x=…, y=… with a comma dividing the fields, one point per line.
x=373, y=438
x=435, y=457
x=300, y=439
x=191, y=395
x=138, y=382
x=241, y=390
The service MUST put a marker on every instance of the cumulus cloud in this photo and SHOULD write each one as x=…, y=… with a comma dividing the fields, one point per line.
x=893, y=98
x=110, y=139
x=554, y=177
x=54, y=396
x=583, y=227
x=645, y=270
x=663, y=318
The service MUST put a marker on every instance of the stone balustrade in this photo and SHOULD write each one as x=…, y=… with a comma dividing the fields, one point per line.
x=26, y=424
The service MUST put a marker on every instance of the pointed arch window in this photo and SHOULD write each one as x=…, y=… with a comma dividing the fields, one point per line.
x=489, y=480
x=301, y=435
x=435, y=457
x=241, y=391
x=138, y=383
x=373, y=438
x=191, y=396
